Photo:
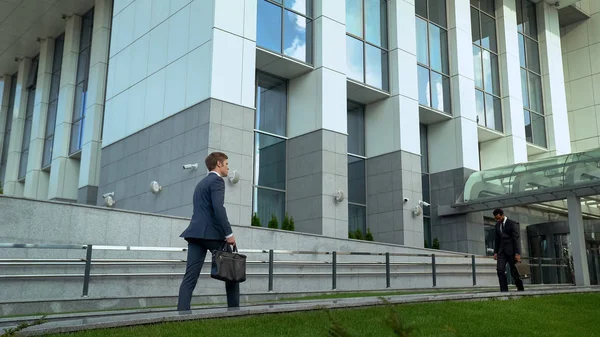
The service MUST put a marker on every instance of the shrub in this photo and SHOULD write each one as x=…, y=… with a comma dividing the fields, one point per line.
x=273, y=222
x=255, y=221
x=351, y=235
x=369, y=236
x=292, y=227
x=286, y=224
x=436, y=244
x=425, y=244
x=358, y=235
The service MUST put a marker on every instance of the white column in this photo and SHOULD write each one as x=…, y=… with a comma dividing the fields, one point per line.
x=11, y=184
x=64, y=172
x=36, y=181
x=553, y=82
x=512, y=148
x=577, y=237
x=4, y=98
x=89, y=174
x=453, y=143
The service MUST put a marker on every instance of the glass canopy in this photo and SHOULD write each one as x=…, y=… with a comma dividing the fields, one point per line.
x=561, y=172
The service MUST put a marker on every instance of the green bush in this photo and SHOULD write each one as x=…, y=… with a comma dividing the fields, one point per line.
x=358, y=235
x=273, y=222
x=351, y=235
x=255, y=221
x=288, y=223
x=369, y=236
x=436, y=244
x=425, y=244
x=292, y=227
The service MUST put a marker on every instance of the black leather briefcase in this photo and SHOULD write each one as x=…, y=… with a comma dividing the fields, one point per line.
x=228, y=265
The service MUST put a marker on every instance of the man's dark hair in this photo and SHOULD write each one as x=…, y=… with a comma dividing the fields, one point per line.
x=212, y=159
x=498, y=211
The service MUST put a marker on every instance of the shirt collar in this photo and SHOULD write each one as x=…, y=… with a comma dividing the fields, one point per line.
x=504, y=221
x=214, y=173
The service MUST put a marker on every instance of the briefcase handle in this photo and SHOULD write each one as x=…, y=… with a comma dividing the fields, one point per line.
x=227, y=248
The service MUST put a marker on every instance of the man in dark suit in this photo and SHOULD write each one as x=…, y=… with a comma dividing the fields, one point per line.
x=507, y=249
x=209, y=229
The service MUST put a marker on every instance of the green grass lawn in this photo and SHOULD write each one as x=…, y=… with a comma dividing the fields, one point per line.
x=378, y=294
x=553, y=315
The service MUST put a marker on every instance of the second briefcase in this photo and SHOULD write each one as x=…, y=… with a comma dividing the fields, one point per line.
x=523, y=270
x=228, y=265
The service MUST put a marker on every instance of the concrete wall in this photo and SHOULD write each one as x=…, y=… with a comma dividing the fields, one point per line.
x=51, y=222
x=581, y=65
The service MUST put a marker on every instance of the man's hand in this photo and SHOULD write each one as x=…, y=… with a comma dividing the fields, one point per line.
x=231, y=240
x=518, y=258
x=495, y=256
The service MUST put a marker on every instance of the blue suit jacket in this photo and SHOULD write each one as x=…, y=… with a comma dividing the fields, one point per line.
x=209, y=220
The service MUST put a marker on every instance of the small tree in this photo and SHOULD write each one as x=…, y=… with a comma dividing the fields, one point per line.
x=436, y=244
x=358, y=235
x=1, y=190
x=292, y=227
x=369, y=236
x=425, y=244
x=351, y=235
x=255, y=221
x=285, y=225
x=273, y=222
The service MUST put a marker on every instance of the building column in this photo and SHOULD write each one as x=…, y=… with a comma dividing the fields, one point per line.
x=453, y=149
x=36, y=181
x=4, y=101
x=11, y=184
x=577, y=238
x=317, y=130
x=392, y=140
x=512, y=148
x=64, y=171
x=553, y=83
x=89, y=174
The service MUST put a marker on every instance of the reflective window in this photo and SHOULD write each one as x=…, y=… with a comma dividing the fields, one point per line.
x=432, y=55
x=53, y=101
x=485, y=63
x=30, y=88
x=425, y=184
x=7, y=128
x=286, y=28
x=531, y=79
x=270, y=152
x=81, y=88
x=357, y=188
x=367, y=42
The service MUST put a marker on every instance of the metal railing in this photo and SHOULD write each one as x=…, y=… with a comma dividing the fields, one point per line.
x=88, y=261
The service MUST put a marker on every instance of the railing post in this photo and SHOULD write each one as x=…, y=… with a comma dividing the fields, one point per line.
x=540, y=269
x=433, y=273
x=473, y=268
x=88, y=269
x=334, y=271
x=270, y=269
x=387, y=271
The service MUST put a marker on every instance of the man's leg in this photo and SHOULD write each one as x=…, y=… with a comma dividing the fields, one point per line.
x=501, y=269
x=195, y=260
x=232, y=288
x=515, y=274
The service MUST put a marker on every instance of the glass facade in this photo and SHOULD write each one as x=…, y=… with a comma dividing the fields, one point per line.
x=367, y=42
x=8, y=128
x=531, y=79
x=357, y=191
x=285, y=27
x=31, y=86
x=485, y=57
x=83, y=70
x=432, y=55
x=425, y=185
x=270, y=148
x=59, y=44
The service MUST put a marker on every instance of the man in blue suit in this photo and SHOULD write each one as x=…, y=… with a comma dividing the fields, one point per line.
x=208, y=230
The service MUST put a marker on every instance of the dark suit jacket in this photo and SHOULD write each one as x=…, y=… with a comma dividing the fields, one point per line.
x=507, y=241
x=209, y=220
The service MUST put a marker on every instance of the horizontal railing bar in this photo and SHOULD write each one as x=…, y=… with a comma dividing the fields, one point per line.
x=41, y=246
x=250, y=274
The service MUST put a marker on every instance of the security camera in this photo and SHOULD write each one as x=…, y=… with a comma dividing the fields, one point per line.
x=424, y=203
x=190, y=166
x=109, y=199
x=406, y=199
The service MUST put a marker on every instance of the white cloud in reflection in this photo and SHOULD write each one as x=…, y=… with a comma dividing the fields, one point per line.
x=297, y=49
